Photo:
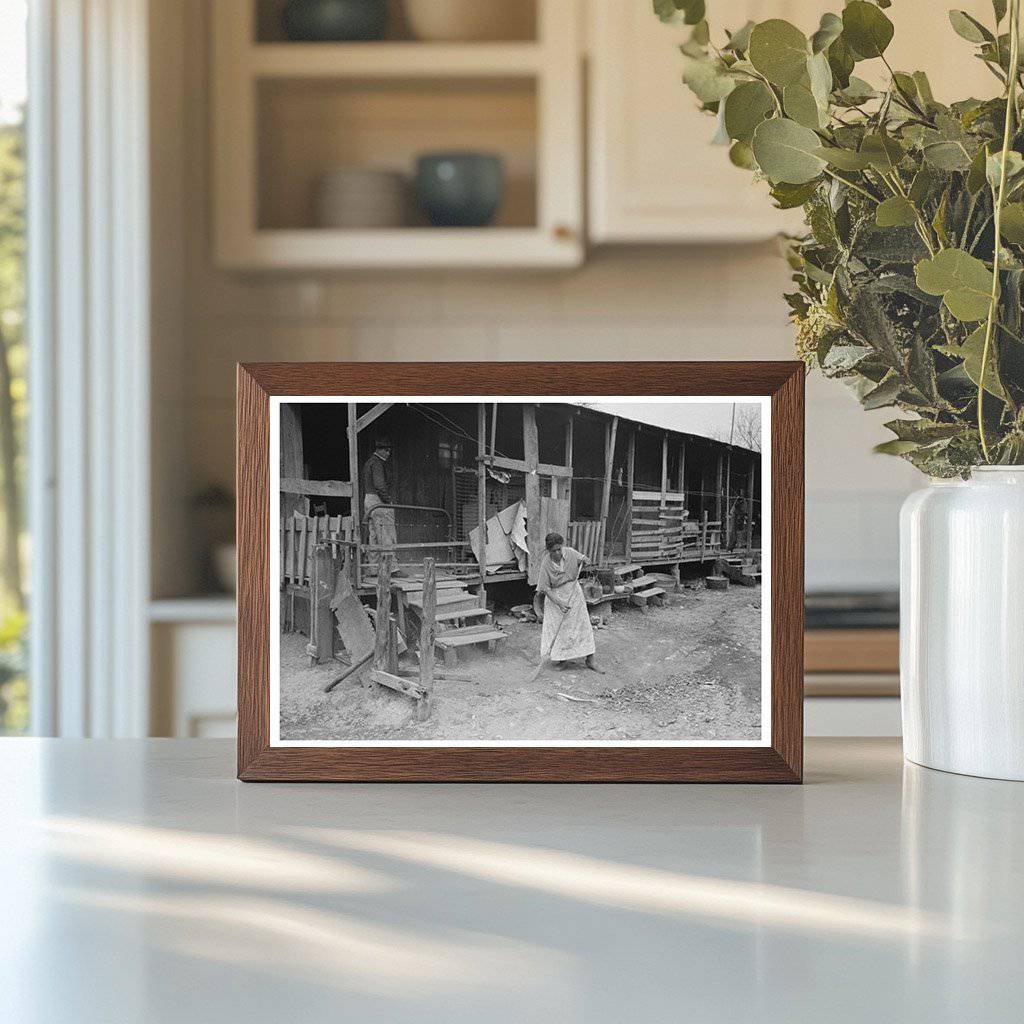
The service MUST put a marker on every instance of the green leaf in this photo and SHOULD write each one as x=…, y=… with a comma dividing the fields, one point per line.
x=801, y=106
x=939, y=220
x=971, y=351
x=787, y=151
x=885, y=394
x=788, y=196
x=1012, y=224
x=895, y=212
x=993, y=167
x=969, y=28
x=745, y=108
x=947, y=156
x=779, y=51
x=739, y=41
x=819, y=74
x=829, y=30
x=922, y=185
x=844, y=159
x=923, y=431
x=857, y=91
x=741, y=155
x=924, y=88
x=866, y=29
x=841, y=63
x=701, y=34
x=689, y=12
x=707, y=78
x=963, y=281
x=895, y=447
x=976, y=173
x=883, y=152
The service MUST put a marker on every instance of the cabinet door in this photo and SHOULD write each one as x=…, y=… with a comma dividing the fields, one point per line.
x=654, y=177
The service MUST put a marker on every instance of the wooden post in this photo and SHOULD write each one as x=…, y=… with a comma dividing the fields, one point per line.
x=675, y=577
x=703, y=534
x=481, y=498
x=606, y=493
x=427, y=637
x=382, y=617
x=291, y=457
x=727, y=525
x=718, y=492
x=664, y=469
x=750, y=501
x=682, y=472
x=494, y=427
x=566, y=482
x=321, y=592
x=531, y=458
x=357, y=504
x=630, y=471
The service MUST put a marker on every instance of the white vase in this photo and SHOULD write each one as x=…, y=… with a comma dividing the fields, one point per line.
x=962, y=624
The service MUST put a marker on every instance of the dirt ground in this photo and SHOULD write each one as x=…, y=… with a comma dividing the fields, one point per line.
x=688, y=671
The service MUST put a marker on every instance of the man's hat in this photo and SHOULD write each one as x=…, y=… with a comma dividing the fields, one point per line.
x=382, y=442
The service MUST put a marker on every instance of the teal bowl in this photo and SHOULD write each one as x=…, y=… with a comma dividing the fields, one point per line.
x=334, y=21
x=460, y=190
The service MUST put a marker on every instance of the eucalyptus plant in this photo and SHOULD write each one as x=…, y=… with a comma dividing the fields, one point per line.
x=910, y=277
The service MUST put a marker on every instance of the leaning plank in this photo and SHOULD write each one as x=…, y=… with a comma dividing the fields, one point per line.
x=410, y=687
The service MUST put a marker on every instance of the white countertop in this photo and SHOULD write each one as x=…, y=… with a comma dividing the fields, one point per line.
x=140, y=882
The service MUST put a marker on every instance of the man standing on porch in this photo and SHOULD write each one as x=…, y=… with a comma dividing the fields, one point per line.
x=377, y=492
x=567, y=632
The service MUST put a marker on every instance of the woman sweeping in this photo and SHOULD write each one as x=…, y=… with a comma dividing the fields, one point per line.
x=567, y=632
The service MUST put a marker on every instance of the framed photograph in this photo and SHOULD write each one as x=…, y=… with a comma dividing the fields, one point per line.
x=578, y=572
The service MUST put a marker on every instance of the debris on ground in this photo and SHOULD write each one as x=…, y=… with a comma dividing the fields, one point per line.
x=690, y=670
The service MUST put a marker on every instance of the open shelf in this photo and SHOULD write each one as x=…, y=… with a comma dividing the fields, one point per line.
x=388, y=60
x=286, y=114
x=309, y=127
x=520, y=23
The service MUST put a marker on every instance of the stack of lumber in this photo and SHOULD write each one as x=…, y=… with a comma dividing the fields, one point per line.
x=660, y=527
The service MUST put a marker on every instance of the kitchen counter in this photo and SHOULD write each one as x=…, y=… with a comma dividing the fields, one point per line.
x=140, y=882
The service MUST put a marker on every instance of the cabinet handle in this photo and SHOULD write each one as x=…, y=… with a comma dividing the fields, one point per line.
x=562, y=232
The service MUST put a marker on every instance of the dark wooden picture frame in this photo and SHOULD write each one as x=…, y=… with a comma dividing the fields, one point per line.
x=781, y=761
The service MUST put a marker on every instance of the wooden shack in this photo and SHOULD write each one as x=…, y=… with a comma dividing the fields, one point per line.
x=620, y=490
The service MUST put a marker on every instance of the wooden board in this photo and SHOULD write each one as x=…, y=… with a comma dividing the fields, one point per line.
x=554, y=516
x=445, y=640
x=777, y=761
x=354, y=626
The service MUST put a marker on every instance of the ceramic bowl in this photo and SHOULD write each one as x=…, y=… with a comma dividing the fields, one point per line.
x=470, y=20
x=332, y=21
x=359, y=197
x=460, y=189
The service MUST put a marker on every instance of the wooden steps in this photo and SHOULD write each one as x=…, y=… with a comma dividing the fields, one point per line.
x=463, y=613
x=739, y=571
x=450, y=641
x=649, y=596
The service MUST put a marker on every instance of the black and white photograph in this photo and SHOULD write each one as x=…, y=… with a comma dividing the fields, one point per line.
x=520, y=571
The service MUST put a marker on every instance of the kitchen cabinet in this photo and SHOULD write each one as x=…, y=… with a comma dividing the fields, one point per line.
x=288, y=114
x=654, y=177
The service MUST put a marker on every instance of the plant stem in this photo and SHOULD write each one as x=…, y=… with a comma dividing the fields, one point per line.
x=1011, y=108
x=853, y=185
